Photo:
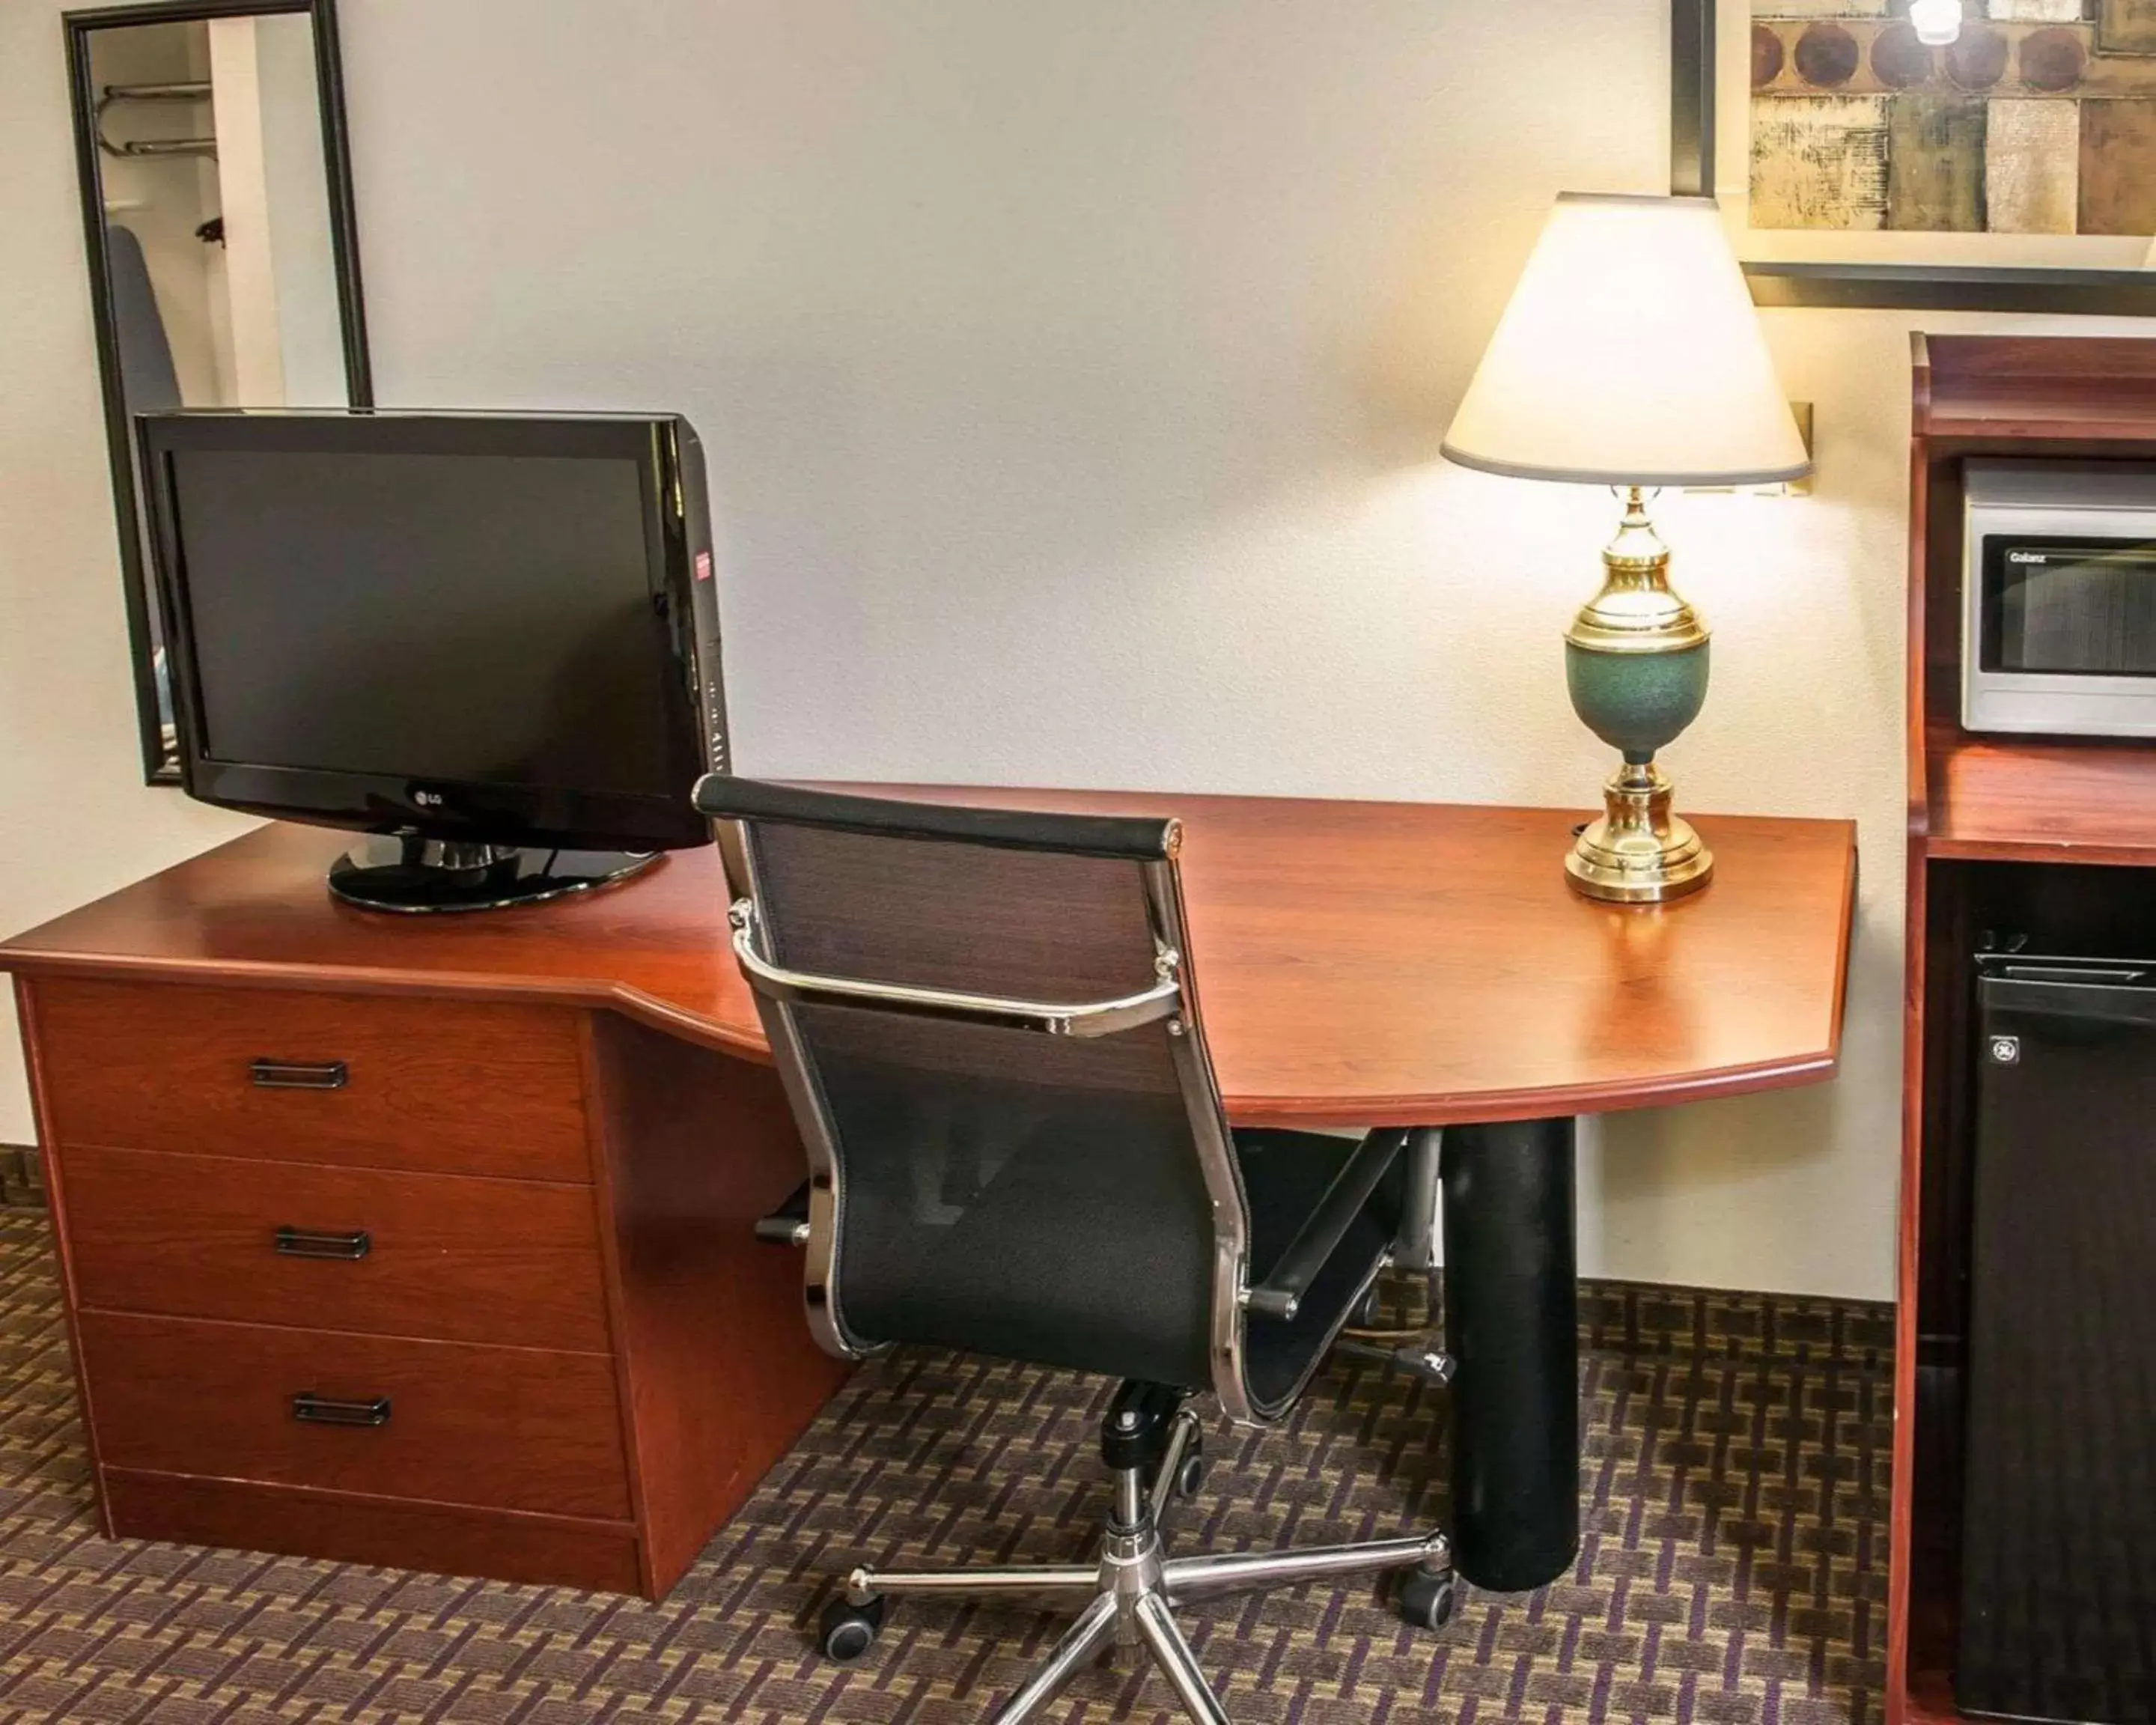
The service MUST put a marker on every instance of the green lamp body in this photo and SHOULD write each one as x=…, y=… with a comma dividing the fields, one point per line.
x=1637, y=702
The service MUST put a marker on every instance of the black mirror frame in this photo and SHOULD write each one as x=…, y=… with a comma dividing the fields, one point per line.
x=1907, y=287
x=344, y=244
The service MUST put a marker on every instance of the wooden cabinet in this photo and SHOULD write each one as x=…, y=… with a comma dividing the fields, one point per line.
x=2003, y=832
x=448, y=1283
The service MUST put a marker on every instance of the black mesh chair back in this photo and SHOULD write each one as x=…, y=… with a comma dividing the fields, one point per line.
x=989, y=1027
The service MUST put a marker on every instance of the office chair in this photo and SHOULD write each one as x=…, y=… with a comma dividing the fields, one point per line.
x=987, y=1028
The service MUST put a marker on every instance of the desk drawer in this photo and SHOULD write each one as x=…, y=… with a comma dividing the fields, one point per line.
x=443, y=1255
x=509, y=1427
x=372, y=1080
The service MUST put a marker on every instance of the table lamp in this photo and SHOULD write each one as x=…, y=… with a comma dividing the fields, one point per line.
x=1630, y=356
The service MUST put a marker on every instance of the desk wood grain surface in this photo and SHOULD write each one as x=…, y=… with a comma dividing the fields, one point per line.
x=1359, y=963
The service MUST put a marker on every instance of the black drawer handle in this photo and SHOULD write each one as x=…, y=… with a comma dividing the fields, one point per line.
x=314, y=1410
x=318, y=1243
x=298, y=1075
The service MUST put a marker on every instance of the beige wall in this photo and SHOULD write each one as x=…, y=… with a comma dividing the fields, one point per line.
x=1072, y=376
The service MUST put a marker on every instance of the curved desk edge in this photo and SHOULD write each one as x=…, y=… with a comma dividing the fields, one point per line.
x=1474, y=879
x=1345, y=1110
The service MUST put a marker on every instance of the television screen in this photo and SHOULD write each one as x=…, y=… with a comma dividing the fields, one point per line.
x=468, y=616
x=480, y=627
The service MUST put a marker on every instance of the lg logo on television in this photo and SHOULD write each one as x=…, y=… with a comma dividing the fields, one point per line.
x=428, y=799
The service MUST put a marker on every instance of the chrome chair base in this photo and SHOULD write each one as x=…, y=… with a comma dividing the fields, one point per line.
x=1130, y=1594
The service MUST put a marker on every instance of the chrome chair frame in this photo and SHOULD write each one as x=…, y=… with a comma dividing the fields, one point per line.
x=1130, y=1595
x=1133, y=1587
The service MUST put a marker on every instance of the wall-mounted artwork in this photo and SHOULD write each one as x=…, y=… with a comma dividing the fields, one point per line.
x=2040, y=119
x=2011, y=169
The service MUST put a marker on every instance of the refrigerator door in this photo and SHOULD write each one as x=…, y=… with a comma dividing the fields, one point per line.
x=2058, y=1618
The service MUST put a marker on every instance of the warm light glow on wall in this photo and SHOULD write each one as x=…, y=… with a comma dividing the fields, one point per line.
x=1938, y=23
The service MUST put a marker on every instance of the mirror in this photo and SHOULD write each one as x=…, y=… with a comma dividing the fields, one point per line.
x=223, y=265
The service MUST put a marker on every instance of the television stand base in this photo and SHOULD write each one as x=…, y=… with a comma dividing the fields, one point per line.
x=421, y=876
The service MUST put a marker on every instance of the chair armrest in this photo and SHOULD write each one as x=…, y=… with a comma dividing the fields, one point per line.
x=1280, y=1295
x=1085, y=1018
x=788, y=1224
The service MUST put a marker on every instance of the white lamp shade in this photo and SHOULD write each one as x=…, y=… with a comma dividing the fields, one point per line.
x=1630, y=354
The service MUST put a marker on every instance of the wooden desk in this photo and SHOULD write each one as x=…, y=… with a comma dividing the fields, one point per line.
x=1361, y=963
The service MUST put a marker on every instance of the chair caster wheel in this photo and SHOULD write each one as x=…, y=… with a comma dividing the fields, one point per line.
x=1190, y=1475
x=848, y=1630
x=1189, y=1471
x=1369, y=1312
x=1425, y=1600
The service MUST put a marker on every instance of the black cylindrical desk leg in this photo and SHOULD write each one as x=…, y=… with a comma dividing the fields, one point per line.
x=1511, y=1307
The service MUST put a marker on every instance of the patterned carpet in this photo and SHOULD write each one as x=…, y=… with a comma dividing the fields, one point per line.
x=1732, y=1571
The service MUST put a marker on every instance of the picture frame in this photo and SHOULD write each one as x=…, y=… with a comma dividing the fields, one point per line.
x=1710, y=121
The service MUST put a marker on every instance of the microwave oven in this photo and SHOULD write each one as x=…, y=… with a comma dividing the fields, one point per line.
x=2059, y=598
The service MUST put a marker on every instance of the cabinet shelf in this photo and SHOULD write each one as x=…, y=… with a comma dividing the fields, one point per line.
x=1931, y=1703
x=2014, y=390
x=1989, y=800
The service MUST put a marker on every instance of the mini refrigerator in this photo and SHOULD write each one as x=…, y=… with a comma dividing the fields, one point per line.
x=2058, y=1597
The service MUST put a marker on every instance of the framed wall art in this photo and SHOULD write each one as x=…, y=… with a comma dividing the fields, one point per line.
x=2011, y=169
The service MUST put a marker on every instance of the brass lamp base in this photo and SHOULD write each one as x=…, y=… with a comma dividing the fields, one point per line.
x=1636, y=660
x=1638, y=853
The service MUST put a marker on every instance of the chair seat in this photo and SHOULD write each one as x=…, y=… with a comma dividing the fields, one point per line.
x=1027, y=1219
x=1285, y=1175
x=989, y=1228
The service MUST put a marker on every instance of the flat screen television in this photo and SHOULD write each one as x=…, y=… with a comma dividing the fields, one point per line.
x=491, y=641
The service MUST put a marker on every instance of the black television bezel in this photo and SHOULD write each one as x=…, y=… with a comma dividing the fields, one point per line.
x=468, y=810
